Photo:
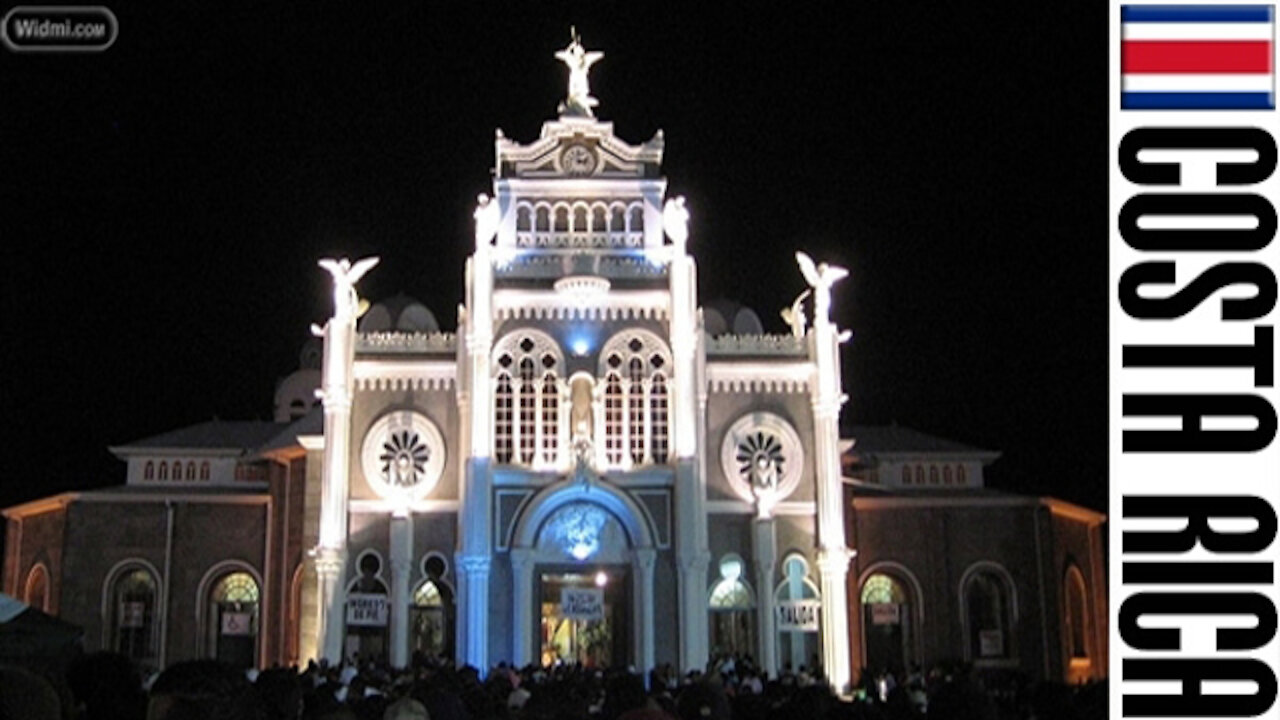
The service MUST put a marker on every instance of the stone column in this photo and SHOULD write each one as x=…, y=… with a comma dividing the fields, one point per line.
x=764, y=548
x=693, y=610
x=522, y=604
x=686, y=427
x=473, y=611
x=336, y=394
x=329, y=563
x=833, y=555
x=642, y=562
x=401, y=572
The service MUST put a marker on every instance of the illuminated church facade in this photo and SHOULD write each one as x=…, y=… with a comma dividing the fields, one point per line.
x=592, y=469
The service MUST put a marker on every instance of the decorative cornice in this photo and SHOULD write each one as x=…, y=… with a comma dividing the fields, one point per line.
x=396, y=343
x=40, y=506
x=757, y=345
x=404, y=374
x=740, y=376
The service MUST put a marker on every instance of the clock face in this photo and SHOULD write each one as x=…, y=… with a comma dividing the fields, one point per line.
x=578, y=160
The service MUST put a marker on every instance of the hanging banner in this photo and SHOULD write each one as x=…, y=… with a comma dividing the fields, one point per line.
x=582, y=603
x=885, y=614
x=798, y=615
x=990, y=643
x=237, y=623
x=133, y=614
x=367, y=610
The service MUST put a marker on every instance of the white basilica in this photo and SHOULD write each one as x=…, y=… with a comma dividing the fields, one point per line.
x=604, y=476
x=593, y=469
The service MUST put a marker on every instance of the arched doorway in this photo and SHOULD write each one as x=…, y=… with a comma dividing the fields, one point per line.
x=131, y=614
x=367, y=611
x=797, y=600
x=732, y=607
x=232, y=618
x=888, y=622
x=431, y=618
x=582, y=559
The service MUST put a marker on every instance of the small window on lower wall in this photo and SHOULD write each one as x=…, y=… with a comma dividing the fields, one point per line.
x=131, y=616
x=1076, y=618
x=988, y=617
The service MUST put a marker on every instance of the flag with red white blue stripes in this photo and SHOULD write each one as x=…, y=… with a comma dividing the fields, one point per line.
x=1197, y=57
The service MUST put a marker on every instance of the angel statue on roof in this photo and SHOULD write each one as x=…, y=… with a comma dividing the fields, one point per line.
x=579, y=102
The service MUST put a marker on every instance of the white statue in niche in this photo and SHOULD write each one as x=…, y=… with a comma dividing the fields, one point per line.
x=579, y=102
x=794, y=315
x=346, y=304
x=820, y=277
x=675, y=220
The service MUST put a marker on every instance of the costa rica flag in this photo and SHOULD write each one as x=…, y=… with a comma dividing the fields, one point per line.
x=1197, y=57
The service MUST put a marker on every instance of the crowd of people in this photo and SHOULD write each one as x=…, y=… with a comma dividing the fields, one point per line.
x=107, y=686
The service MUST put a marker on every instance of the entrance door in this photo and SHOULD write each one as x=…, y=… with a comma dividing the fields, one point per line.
x=584, y=617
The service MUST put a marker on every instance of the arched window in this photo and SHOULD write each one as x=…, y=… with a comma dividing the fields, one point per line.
x=524, y=221
x=431, y=617
x=149, y=471
x=131, y=614
x=204, y=470
x=191, y=470
x=960, y=475
x=528, y=423
x=888, y=627
x=797, y=599
x=231, y=621
x=732, y=610
x=367, y=610
x=906, y=474
x=919, y=475
x=562, y=219
x=543, y=219
x=637, y=414
x=164, y=471
x=988, y=613
x=36, y=593
x=933, y=474
x=1076, y=618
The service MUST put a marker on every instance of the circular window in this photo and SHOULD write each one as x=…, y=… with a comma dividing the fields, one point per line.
x=403, y=456
x=762, y=458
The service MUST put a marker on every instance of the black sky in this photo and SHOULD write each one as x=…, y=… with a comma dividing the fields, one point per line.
x=163, y=204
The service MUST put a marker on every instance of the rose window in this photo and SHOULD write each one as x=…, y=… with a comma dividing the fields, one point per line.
x=404, y=458
x=760, y=460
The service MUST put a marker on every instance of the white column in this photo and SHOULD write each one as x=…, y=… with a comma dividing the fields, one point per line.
x=642, y=562
x=693, y=610
x=329, y=563
x=833, y=555
x=474, y=512
x=336, y=393
x=522, y=606
x=686, y=431
x=764, y=548
x=473, y=611
x=401, y=571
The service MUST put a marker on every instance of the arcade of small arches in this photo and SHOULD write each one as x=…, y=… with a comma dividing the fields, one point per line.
x=580, y=224
x=150, y=472
x=945, y=474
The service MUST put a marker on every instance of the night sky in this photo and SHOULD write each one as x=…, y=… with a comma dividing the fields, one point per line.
x=163, y=204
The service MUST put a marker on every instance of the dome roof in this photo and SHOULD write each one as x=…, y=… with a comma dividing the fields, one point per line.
x=729, y=317
x=400, y=313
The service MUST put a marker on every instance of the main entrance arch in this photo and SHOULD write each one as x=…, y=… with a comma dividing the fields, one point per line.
x=577, y=542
